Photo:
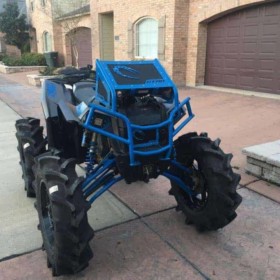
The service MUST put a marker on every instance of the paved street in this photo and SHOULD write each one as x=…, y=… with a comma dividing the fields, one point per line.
x=139, y=233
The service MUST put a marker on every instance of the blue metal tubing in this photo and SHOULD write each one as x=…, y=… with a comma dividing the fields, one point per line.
x=130, y=127
x=94, y=182
x=155, y=152
x=178, y=181
x=104, y=165
x=144, y=145
x=110, y=89
x=180, y=166
x=105, y=188
x=190, y=113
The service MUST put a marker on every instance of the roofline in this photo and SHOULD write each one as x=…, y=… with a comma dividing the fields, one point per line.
x=73, y=16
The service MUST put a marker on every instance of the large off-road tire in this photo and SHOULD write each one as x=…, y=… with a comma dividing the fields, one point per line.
x=31, y=143
x=212, y=180
x=62, y=212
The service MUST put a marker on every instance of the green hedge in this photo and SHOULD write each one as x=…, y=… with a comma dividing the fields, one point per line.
x=31, y=59
x=11, y=61
x=1, y=56
x=27, y=59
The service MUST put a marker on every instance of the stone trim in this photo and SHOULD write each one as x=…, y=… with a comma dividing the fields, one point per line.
x=15, y=69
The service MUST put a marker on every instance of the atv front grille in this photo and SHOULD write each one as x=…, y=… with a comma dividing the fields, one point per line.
x=152, y=147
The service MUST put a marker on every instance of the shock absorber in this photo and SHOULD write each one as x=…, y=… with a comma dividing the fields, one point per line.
x=89, y=140
x=90, y=158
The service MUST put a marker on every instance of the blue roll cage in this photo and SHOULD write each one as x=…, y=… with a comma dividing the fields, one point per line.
x=106, y=73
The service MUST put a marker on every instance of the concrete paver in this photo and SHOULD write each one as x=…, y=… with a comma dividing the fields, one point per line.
x=108, y=211
x=8, y=146
x=145, y=198
x=266, y=189
x=246, y=179
x=129, y=251
x=7, y=116
x=161, y=246
x=24, y=99
x=248, y=248
x=20, y=77
x=18, y=233
x=239, y=121
x=241, y=92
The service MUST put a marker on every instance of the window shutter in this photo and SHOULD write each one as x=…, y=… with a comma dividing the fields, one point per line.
x=130, y=40
x=161, y=38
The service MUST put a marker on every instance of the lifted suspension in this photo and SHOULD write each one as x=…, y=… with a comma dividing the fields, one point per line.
x=104, y=176
x=100, y=179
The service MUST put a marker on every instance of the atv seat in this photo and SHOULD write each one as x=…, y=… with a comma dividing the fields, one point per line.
x=84, y=91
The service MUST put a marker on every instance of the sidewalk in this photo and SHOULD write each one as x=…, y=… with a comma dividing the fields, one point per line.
x=140, y=235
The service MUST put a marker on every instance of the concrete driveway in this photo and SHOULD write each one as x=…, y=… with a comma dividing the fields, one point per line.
x=144, y=237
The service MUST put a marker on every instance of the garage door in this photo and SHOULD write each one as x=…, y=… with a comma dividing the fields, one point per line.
x=84, y=47
x=243, y=50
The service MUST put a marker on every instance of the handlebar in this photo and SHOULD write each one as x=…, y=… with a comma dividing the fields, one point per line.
x=73, y=75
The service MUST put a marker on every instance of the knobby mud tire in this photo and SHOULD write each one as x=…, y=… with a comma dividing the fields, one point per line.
x=31, y=143
x=62, y=212
x=217, y=182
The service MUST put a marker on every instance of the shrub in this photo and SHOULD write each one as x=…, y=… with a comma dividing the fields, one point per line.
x=11, y=61
x=2, y=56
x=48, y=71
x=27, y=59
x=33, y=59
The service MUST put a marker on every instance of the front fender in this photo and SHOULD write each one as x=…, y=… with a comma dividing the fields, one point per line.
x=54, y=96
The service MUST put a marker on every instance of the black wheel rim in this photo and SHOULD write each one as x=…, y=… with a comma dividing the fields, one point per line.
x=198, y=184
x=21, y=151
x=22, y=162
x=47, y=226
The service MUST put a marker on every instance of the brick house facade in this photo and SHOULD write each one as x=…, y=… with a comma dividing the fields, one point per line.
x=185, y=27
x=42, y=25
x=51, y=23
x=228, y=43
x=125, y=15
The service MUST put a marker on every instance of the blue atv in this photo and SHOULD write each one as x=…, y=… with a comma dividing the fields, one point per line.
x=118, y=126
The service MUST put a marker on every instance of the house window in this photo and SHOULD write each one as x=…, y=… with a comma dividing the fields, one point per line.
x=147, y=38
x=43, y=3
x=32, y=6
x=47, y=44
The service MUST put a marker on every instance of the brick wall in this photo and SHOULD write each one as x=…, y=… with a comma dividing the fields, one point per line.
x=62, y=43
x=180, y=46
x=185, y=30
x=185, y=33
x=41, y=20
x=8, y=49
x=130, y=11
